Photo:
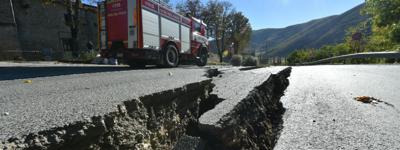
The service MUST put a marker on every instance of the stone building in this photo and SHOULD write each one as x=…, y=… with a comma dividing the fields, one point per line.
x=31, y=29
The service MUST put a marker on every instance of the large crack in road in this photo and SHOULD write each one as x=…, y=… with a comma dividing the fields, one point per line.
x=251, y=118
x=152, y=122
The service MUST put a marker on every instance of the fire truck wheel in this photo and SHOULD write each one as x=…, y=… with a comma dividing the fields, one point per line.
x=170, y=56
x=203, y=57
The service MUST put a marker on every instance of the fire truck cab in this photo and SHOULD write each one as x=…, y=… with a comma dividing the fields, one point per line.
x=141, y=32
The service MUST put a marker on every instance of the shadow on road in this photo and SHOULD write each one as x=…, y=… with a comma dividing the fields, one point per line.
x=23, y=72
x=11, y=73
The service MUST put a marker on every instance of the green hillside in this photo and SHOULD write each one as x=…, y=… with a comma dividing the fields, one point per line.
x=313, y=34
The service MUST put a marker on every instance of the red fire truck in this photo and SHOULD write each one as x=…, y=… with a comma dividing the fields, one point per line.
x=141, y=32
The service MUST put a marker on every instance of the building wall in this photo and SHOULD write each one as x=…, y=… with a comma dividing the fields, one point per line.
x=9, y=45
x=42, y=26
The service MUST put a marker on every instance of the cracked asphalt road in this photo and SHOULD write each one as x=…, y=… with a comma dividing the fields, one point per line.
x=322, y=114
x=234, y=87
x=57, y=98
x=321, y=110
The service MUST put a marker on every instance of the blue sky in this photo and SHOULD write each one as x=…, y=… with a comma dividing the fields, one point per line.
x=282, y=13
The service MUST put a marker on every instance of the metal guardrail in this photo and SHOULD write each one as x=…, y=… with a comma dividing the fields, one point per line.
x=390, y=54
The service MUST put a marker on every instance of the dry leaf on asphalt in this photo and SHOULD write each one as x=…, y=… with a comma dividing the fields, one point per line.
x=28, y=81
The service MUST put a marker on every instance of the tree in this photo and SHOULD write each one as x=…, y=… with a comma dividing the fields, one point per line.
x=91, y=2
x=215, y=15
x=225, y=25
x=212, y=16
x=357, y=37
x=386, y=17
x=239, y=30
x=227, y=9
x=166, y=1
x=193, y=7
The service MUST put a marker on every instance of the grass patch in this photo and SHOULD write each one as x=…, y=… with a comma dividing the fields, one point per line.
x=83, y=57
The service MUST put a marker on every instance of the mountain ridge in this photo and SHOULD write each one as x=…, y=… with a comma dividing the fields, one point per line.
x=311, y=34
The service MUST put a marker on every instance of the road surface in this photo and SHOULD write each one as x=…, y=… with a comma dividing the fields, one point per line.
x=62, y=94
x=321, y=110
x=322, y=114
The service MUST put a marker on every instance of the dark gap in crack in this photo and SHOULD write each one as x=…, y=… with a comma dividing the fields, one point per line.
x=210, y=73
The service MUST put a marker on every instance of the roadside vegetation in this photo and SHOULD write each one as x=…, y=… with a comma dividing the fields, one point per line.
x=83, y=57
x=380, y=33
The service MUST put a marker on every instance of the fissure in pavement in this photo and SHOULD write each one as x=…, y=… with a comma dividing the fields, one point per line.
x=255, y=122
x=152, y=122
x=170, y=120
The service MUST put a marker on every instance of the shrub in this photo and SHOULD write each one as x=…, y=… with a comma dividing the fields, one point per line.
x=84, y=56
x=236, y=60
x=397, y=48
x=87, y=56
x=67, y=56
x=250, y=61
